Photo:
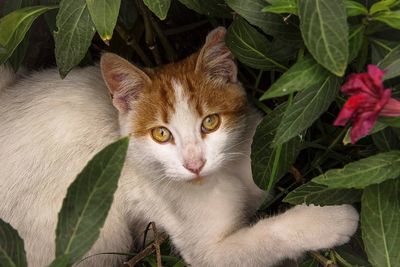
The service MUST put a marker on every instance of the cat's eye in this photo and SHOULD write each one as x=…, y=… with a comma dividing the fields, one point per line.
x=161, y=134
x=210, y=123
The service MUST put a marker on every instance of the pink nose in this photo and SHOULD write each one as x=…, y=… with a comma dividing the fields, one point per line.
x=195, y=166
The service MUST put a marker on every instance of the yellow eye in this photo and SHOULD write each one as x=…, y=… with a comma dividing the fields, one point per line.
x=210, y=123
x=161, y=134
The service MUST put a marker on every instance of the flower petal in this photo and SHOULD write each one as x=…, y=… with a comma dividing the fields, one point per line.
x=362, y=125
x=391, y=109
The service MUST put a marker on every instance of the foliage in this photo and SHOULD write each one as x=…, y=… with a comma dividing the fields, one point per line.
x=293, y=56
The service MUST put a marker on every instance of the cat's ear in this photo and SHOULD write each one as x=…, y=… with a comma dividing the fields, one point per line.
x=215, y=59
x=124, y=81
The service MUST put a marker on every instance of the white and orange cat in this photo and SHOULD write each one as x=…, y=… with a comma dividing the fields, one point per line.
x=187, y=169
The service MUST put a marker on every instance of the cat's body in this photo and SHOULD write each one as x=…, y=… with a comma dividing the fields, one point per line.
x=50, y=128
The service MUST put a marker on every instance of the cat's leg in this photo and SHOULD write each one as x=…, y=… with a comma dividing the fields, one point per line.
x=302, y=228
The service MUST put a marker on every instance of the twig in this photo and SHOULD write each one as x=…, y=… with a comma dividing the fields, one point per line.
x=132, y=43
x=159, y=238
x=297, y=175
x=321, y=259
x=149, y=34
x=169, y=50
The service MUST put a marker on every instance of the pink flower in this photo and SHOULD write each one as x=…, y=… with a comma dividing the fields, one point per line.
x=368, y=100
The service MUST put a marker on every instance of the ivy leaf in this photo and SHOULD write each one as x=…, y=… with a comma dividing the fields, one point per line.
x=380, y=223
x=391, y=18
x=74, y=34
x=307, y=106
x=312, y=193
x=12, y=251
x=249, y=46
x=87, y=203
x=386, y=140
x=325, y=32
x=158, y=7
x=354, y=8
x=356, y=38
x=213, y=8
x=104, y=14
x=303, y=74
x=381, y=5
x=269, y=23
x=264, y=157
x=14, y=27
x=362, y=173
x=391, y=63
x=281, y=6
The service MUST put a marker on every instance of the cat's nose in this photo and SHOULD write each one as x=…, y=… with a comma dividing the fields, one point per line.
x=195, y=166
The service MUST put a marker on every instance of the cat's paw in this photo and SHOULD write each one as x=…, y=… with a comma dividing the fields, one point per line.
x=317, y=227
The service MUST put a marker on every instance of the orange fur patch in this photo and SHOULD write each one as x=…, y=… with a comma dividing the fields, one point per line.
x=206, y=96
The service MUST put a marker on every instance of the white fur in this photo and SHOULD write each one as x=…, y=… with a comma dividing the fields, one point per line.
x=50, y=128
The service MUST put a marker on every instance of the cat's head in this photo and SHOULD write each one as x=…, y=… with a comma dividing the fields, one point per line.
x=186, y=119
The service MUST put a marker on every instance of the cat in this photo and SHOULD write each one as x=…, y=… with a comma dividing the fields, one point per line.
x=187, y=167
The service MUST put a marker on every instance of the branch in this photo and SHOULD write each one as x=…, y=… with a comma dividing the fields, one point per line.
x=322, y=260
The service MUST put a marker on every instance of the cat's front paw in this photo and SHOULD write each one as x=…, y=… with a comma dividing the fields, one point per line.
x=323, y=227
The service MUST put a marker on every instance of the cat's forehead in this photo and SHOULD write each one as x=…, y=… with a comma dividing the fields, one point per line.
x=176, y=91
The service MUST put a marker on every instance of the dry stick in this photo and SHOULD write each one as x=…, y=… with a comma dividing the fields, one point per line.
x=148, y=31
x=169, y=50
x=132, y=43
x=321, y=259
x=155, y=246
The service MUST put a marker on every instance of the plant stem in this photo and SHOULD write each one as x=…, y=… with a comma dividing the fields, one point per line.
x=169, y=50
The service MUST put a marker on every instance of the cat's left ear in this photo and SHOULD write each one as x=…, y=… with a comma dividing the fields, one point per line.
x=215, y=59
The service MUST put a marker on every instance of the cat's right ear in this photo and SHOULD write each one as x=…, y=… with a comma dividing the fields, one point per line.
x=123, y=79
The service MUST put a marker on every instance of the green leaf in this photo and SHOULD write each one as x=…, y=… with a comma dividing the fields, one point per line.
x=281, y=6
x=354, y=8
x=213, y=8
x=74, y=34
x=249, y=46
x=312, y=193
x=88, y=201
x=391, y=18
x=381, y=5
x=128, y=14
x=325, y=32
x=386, y=140
x=158, y=7
x=263, y=156
x=104, y=14
x=269, y=23
x=390, y=121
x=308, y=105
x=12, y=252
x=356, y=38
x=302, y=75
x=14, y=26
x=391, y=63
x=380, y=223
x=367, y=171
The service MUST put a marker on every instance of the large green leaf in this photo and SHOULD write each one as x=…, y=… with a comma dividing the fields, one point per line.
x=367, y=171
x=325, y=32
x=88, y=200
x=302, y=75
x=269, y=23
x=14, y=26
x=381, y=6
x=250, y=46
x=380, y=223
x=269, y=164
x=307, y=106
x=158, y=7
x=391, y=63
x=74, y=34
x=281, y=6
x=104, y=14
x=12, y=252
x=391, y=18
x=312, y=193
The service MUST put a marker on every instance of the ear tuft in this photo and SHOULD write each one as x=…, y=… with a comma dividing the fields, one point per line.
x=124, y=81
x=216, y=59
